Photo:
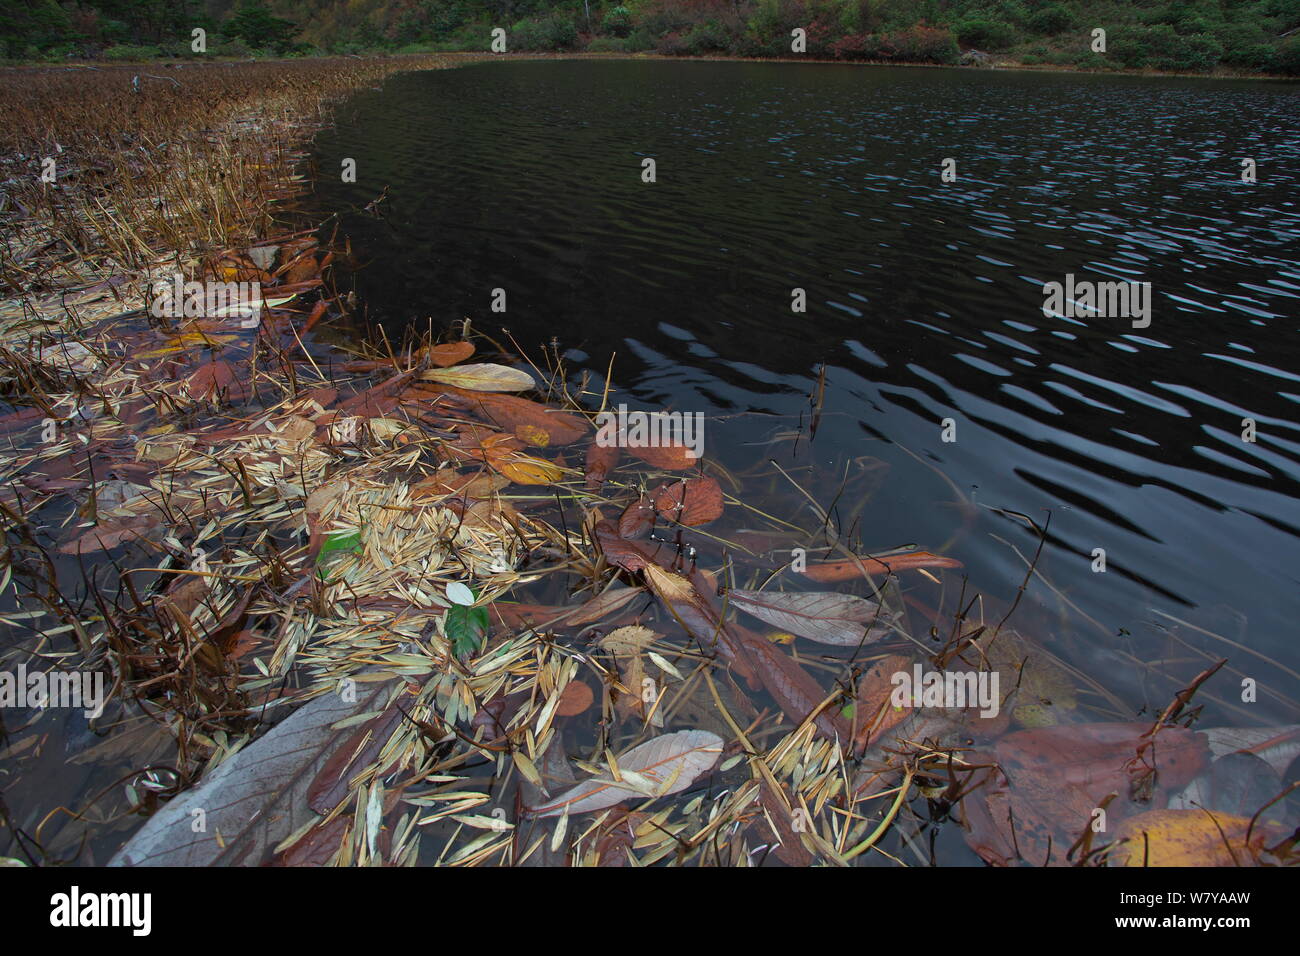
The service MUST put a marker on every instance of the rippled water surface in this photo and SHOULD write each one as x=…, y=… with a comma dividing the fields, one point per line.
x=924, y=302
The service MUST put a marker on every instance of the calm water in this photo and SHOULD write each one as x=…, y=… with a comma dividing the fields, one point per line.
x=924, y=302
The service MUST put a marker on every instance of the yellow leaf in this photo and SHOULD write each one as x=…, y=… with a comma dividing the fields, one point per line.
x=532, y=435
x=526, y=470
x=1187, y=838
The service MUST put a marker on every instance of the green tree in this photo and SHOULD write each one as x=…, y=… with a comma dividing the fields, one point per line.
x=259, y=29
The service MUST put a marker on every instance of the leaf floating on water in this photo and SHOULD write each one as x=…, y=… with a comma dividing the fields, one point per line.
x=212, y=379
x=691, y=501
x=466, y=627
x=636, y=520
x=667, y=457
x=669, y=763
x=533, y=423
x=450, y=353
x=829, y=571
x=523, y=469
x=484, y=377
x=823, y=616
x=109, y=534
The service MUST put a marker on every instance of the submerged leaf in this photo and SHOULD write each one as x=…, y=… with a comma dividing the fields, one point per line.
x=1188, y=838
x=256, y=797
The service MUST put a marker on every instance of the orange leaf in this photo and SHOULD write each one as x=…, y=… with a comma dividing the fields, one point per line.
x=450, y=353
x=667, y=457
x=574, y=699
x=848, y=570
x=523, y=469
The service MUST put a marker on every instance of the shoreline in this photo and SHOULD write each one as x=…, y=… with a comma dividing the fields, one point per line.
x=463, y=57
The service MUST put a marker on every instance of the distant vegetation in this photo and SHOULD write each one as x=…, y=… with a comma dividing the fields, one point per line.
x=1171, y=35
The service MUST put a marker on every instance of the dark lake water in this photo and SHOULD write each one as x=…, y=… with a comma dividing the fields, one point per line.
x=924, y=302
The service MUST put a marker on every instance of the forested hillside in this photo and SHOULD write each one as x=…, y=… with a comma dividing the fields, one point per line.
x=1183, y=35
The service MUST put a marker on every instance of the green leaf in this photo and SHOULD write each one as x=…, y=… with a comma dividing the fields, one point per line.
x=466, y=627
x=338, y=545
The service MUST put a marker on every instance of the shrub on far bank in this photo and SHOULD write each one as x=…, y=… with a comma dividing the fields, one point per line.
x=126, y=52
x=553, y=33
x=985, y=34
x=1288, y=57
x=914, y=45
x=1162, y=48
x=1051, y=20
x=608, y=45
x=617, y=21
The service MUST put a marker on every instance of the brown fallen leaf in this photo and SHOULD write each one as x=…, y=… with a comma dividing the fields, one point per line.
x=317, y=846
x=874, y=715
x=217, y=379
x=667, y=457
x=829, y=571
x=1048, y=781
x=574, y=699
x=523, y=469
x=532, y=422
x=449, y=353
x=691, y=501
x=637, y=519
x=331, y=784
x=109, y=534
x=601, y=459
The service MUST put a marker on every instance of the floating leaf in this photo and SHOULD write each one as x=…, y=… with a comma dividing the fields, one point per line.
x=450, y=353
x=691, y=501
x=823, y=616
x=523, y=469
x=669, y=763
x=484, y=377
x=466, y=627
x=667, y=457
x=829, y=571
x=212, y=379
